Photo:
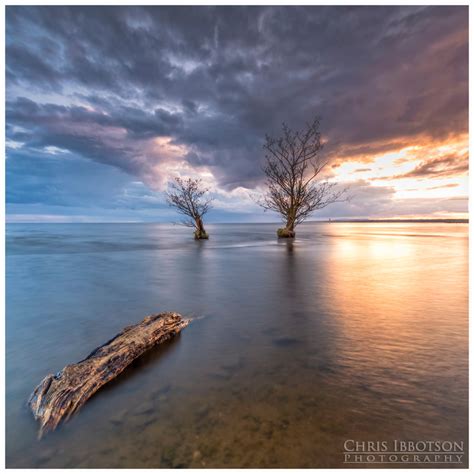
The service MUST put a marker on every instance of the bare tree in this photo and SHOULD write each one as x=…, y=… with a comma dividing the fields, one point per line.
x=188, y=197
x=293, y=164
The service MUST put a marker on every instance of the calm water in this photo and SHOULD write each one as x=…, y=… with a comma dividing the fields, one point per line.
x=355, y=331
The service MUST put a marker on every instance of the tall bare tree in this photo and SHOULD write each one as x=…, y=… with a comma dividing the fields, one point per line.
x=189, y=198
x=293, y=165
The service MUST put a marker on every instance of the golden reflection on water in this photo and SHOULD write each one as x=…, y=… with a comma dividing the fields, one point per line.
x=401, y=309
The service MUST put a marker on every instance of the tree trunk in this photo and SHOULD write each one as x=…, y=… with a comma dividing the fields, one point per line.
x=287, y=232
x=58, y=396
x=200, y=232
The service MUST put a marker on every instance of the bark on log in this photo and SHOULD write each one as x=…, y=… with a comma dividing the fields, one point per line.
x=58, y=396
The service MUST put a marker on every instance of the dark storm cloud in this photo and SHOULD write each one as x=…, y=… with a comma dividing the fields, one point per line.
x=216, y=79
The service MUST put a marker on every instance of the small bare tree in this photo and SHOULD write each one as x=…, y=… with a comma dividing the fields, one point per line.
x=188, y=197
x=293, y=164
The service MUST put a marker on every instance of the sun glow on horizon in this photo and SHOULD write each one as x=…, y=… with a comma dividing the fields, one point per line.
x=421, y=171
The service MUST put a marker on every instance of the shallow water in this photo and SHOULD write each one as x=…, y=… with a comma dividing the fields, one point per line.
x=354, y=331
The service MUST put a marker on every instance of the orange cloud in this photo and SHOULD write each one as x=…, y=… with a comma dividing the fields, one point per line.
x=424, y=168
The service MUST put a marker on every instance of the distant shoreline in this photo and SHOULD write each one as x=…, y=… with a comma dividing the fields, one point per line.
x=327, y=221
x=444, y=221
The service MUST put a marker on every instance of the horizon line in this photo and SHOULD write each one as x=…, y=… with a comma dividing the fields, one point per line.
x=448, y=220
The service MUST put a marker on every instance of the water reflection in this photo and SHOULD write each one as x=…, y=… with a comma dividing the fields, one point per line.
x=394, y=300
x=351, y=330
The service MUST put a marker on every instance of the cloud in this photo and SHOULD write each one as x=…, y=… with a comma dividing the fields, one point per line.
x=446, y=166
x=444, y=186
x=151, y=90
x=369, y=201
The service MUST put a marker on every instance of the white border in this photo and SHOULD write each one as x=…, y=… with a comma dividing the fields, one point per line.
x=209, y=2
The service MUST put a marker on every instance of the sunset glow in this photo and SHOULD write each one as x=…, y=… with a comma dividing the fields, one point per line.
x=427, y=171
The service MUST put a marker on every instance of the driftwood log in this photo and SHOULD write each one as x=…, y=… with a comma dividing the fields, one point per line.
x=58, y=396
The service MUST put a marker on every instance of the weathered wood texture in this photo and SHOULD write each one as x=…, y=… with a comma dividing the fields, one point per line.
x=58, y=396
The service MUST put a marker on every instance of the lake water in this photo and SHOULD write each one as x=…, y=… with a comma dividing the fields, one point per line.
x=354, y=331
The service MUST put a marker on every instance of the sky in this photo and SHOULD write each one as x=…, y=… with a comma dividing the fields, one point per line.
x=106, y=105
